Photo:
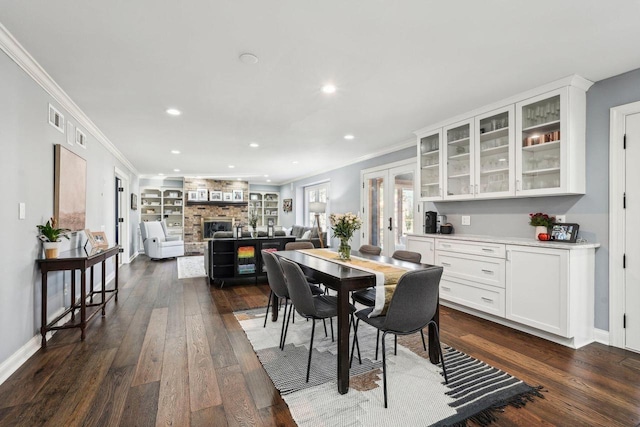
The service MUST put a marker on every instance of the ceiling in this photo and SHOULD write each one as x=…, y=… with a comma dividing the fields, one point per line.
x=397, y=66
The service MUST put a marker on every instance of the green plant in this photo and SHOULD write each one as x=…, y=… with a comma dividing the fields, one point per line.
x=541, y=219
x=49, y=232
x=253, y=218
x=344, y=225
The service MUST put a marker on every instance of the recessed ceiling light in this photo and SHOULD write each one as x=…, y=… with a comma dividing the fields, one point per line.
x=349, y=136
x=239, y=179
x=173, y=112
x=161, y=174
x=175, y=151
x=248, y=58
x=268, y=180
x=231, y=166
x=254, y=145
x=176, y=170
x=328, y=88
x=295, y=162
x=266, y=176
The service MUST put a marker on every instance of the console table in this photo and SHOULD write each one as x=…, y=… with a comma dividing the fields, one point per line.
x=72, y=260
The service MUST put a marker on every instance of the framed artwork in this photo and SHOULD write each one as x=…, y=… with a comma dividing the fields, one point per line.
x=564, y=232
x=215, y=196
x=287, y=205
x=237, y=195
x=192, y=195
x=203, y=194
x=227, y=197
x=70, y=189
x=134, y=202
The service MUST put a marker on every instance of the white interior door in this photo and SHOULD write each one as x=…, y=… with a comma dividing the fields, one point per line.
x=389, y=207
x=632, y=231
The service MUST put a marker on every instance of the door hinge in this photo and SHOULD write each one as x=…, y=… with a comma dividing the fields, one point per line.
x=120, y=219
x=624, y=142
x=624, y=261
x=363, y=185
x=624, y=321
x=120, y=250
x=120, y=189
x=363, y=210
x=624, y=200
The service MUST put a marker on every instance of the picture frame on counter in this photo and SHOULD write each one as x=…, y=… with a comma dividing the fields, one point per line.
x=564, y=232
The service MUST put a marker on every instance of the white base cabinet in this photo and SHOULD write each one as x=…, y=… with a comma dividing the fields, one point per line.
x=545, y=289
x=425, y=246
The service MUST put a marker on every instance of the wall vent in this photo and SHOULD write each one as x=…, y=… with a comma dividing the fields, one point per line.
x=81, y=138
x=56, y=119
x=70, y=133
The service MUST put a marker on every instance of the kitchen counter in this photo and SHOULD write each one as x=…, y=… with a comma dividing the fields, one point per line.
x=510, y=241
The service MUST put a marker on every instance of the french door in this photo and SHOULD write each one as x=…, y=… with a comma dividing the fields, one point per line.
x=389, y=206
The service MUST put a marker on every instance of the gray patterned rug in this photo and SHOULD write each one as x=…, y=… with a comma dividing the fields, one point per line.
x=417, y=393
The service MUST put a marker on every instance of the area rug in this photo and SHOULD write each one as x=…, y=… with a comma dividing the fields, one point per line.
x=191, y=266
x=417, y=393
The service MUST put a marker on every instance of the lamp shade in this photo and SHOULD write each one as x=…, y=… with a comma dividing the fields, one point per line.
x=317, y=207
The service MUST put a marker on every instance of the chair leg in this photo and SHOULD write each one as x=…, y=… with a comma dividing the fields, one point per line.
x=424, y=344
x=313, y=330
x=331, y=324
x=284, y=321
x=384, y=370
x=267, y=314
x=395, y=345
x=444, y=368
x=355, y=344
x=325, y=327
x=355, y=339
x=377, y=342
x=284, y=338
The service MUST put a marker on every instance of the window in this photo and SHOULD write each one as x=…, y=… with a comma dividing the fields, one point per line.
x=316, y=193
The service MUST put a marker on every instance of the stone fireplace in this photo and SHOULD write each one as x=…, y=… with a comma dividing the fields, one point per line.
x=212, y=224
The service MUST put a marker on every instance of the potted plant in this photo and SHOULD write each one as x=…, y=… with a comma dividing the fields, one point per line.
x=50, y=236
x=542, y=222
x=253, y=222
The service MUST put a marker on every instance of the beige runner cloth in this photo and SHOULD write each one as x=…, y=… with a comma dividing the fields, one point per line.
x=387, y=275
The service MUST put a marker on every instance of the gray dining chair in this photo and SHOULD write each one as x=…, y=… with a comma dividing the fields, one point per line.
x=367, y=297
x=412, y=307
x=307, y=305
x=370, y=249
x=292, y=246
x=278, y=286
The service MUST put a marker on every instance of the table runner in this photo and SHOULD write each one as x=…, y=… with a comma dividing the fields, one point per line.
x=387, y=275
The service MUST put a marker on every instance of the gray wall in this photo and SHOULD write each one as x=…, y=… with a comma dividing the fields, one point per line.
x=509, y=218
x=27, y=166
x=344, y=193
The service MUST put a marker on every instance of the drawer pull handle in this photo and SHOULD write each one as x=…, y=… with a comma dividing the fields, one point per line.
x=445, y=264
x=444, y=288
x=487, y=250
x=487, y=271
x=485, y=299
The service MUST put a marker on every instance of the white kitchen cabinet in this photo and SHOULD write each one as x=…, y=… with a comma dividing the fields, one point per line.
x=531, y=144
x=425, y=246
x=550, y=154
x=430, y=165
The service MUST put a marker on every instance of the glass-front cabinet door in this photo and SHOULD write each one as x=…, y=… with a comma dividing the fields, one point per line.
x=495, y=158
x=459, y=154
x=430, y=164
x=542, y=144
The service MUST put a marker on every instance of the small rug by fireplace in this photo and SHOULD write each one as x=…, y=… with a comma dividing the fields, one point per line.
x=191, y=266
x=418, y=395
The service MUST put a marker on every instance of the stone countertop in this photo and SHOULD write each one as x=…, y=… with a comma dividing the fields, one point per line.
x=522, y=241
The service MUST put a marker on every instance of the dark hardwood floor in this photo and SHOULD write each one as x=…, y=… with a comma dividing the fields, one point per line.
x=170, y=352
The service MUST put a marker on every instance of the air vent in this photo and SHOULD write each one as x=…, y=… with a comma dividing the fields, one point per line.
x=56, y=119
x=81, y=138
x=70, y=133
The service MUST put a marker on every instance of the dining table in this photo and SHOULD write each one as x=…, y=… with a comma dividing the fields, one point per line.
x=345, y=279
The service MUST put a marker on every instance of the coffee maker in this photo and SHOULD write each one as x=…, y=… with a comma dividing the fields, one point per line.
x=440, y=221
x=430, y=222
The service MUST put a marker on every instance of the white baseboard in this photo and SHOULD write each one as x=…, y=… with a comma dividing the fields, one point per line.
x=601, y=336
x=134, y=256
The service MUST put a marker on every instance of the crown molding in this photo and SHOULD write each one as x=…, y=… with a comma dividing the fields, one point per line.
x=18, y=54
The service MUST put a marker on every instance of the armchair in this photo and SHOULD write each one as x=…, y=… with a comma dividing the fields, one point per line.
x=157, y=244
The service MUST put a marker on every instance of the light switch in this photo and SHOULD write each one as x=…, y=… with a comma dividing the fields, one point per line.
x=22, y=210
x=466, y=220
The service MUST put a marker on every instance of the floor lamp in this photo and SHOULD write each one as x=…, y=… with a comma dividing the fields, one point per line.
x=317, y=208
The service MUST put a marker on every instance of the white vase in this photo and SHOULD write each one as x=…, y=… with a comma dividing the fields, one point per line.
x=540, y=229
x=51, y=249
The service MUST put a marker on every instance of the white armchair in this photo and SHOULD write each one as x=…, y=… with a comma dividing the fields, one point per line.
x=157, y=244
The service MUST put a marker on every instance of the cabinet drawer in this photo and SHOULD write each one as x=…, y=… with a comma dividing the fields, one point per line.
x=486, y=270
x=494, y=250
x=483, y=298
